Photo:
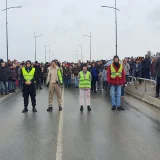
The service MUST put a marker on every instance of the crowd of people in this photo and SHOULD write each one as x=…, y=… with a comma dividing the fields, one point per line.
x=112, y=75
x=10, y=75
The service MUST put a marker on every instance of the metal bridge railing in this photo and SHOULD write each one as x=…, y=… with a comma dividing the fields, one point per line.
x=135, y=81
x=132, y=80
x=145, y=82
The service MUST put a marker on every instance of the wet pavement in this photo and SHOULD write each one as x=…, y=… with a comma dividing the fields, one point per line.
x=70, y=135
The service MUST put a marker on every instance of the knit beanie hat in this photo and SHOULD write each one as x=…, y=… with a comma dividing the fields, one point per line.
x=28, y=61
x=115, y=58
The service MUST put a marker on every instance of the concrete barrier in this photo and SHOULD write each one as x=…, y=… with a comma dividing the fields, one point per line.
x=143, y=97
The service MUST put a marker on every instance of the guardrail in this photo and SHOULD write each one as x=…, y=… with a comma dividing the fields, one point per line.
x=147, y=80
x=134, y=80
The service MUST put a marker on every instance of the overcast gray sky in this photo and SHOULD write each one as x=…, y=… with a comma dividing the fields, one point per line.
x=64, y=22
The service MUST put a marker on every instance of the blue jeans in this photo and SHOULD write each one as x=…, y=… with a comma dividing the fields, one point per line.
x=20, y=84
x=76, y=81
x=147, y=73
x=4, y=87
x=122, y=91
x=106, y=85
x=115, y=92
x=12, y=85
x=1, y=87
x=67, y=81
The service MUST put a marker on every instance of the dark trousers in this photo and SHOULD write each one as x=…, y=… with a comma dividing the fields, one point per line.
x=158, y=86
x=38, y=83
x=136, y=75
x=29, y=90
x=147, y=73
x=93, y=84
x=157, y=89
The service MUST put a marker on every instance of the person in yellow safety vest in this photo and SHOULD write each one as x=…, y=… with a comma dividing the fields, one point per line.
x=55, y=82
x=116, y=79
x=28, y=80
x=84, y=87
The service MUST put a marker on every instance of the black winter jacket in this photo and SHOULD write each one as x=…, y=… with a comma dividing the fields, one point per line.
x=4, y=73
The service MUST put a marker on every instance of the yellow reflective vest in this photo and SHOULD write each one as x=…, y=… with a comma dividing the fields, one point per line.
x=60, y=78
x=28, y=76
x=84, y=82
x=115, y=74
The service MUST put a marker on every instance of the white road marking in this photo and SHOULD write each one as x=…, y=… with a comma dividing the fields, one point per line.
x=59, y=153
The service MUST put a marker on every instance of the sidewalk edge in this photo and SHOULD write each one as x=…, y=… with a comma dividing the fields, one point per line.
x=9, y=96
x=143, y=97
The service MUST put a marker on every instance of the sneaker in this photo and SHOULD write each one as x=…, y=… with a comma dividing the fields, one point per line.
x=120, y=108
x=81, y=108
x=89, y=108
x=49, y=109
x=25, y=110
x=113, y=108
x=60, y=108
x=34, y=109
x=41, y=88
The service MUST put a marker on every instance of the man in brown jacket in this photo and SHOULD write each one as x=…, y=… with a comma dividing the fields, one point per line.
x=55, y=81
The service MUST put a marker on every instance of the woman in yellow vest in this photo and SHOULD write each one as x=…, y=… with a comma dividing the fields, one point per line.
x=84, y=87
x=28, y=79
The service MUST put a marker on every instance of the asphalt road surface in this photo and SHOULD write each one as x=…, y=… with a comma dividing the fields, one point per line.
x=101, y=134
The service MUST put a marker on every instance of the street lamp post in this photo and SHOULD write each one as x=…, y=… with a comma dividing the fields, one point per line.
x=90, y=36
x=45, y=46
x=116, y=9
x=6, y=9
x=50, y=51
x=36, y=44
x=49, y=55
x=81, y=52
x=76, y=54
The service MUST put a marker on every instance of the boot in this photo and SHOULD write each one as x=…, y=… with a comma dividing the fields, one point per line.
x=60, y=108
x=50, y=109
x=25, y=110
x=41, y=88
x=89, y=108
x=120, y=108
x=34, y=109
x=113, y=108
x=81, y=108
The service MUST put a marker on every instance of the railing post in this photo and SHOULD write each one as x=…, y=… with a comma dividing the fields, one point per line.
x=136, y=83
x=145, y=85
